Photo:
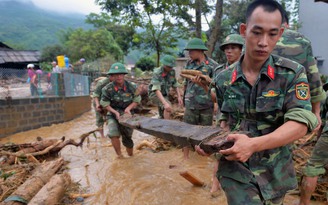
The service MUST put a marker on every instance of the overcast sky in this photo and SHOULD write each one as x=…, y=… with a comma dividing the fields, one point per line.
x=76, y=6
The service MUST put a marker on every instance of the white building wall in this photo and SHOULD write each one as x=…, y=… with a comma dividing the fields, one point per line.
x=314, y=25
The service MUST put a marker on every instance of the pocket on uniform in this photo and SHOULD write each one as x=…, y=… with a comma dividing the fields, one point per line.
x=269, y=104
x=127, y=97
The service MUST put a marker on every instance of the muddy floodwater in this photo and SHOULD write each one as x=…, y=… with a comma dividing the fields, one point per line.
x=145, y=178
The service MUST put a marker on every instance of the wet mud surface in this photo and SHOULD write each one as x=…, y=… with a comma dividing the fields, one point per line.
x=145, y=178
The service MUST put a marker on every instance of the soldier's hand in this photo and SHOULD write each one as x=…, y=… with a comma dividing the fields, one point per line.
x=319, y=123
x=241, y=150
x=99, y=108
x=127, y=111
x=180, y=101
x=117, y=115
x=200, y=151
x=167, y=107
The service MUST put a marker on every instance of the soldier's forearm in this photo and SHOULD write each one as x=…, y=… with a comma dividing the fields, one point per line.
x=160, y=96
x=316, y=108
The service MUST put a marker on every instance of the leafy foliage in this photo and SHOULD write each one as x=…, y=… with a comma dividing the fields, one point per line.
x=24, y=26
x=92, y=44
x=49, y=53
x=163, y=21
x=146, y=63
x=123, y=34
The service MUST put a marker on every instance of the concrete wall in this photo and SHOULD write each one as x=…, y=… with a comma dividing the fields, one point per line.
x=180, y=64
x=19, y=115
x=313, y=19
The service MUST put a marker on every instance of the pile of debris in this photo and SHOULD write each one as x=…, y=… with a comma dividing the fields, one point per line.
x=301, y=153
x=33, y=173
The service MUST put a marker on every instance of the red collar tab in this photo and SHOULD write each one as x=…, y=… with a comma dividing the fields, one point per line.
x=116, y=88
x=164, y=74
x=234, y=76
x=271, y=72
x=206, y=62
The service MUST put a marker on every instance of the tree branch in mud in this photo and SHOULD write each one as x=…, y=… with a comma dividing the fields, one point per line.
x=40, y=148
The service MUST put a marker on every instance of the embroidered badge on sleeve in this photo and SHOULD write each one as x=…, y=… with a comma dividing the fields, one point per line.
x=302, y=91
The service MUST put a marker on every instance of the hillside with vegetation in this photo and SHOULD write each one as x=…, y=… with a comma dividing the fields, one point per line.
x=25, y=26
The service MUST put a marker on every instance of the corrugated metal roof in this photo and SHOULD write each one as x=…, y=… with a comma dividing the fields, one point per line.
x=12, y=56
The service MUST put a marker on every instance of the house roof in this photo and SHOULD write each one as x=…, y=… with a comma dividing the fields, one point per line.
x=15, y=56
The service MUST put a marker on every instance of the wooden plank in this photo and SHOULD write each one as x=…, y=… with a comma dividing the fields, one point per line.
x=192, y=179
x=211, y=139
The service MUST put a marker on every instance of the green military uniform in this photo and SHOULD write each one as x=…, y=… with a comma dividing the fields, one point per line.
x=196, y=100
x=198, y=103
x=319, y=158
x=163, y=82
x=97, y=94
x=296, y=47
x=232, y=39
x=280, y=94
x=119, y=99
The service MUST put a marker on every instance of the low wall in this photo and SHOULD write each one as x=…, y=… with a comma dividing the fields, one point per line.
x=19, y=115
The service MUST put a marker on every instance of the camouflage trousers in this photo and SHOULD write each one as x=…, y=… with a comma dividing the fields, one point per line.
x=319, y=158
x=238, y=193
x=198, y=117
x=153, y=97
x=100, y=121
x=117, y=130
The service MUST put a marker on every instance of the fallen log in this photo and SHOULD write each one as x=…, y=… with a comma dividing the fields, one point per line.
x=53, y=191
x=31, y=186
x=210, y=139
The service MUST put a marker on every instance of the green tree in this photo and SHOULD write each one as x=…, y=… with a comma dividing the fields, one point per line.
x=123, y=34
x=49, y=53
x=92, y=44
x=163, y=22
x=146, y=63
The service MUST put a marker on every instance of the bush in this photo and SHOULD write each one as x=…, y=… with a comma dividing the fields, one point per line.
x=146, y=63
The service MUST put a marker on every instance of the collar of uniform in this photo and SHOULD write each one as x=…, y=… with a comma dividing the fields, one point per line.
x=267, y=69
x=237, y=72
x=163, y=73
x=116, y=88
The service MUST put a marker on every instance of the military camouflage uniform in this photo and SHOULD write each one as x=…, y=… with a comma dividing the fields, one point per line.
x=280, y=94
x=162, y=82
x=198, y=103
x=319, y=158
x=97, y=94
x=119, y=99
x=296, y=47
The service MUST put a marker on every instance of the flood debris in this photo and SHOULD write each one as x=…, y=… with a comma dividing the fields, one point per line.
x=33, y=173
x=192, y=179
x=301, y=153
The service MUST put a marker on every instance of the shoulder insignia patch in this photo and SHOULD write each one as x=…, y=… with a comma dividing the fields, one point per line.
x=302, y=91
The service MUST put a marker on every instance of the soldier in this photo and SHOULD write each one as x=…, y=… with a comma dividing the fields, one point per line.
x=163, y=79
x=198, y=103
x=100, y=111
x=118, y=98
x=232, y=46
x=269, y=97
x=318, y=160
x=294, y=46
